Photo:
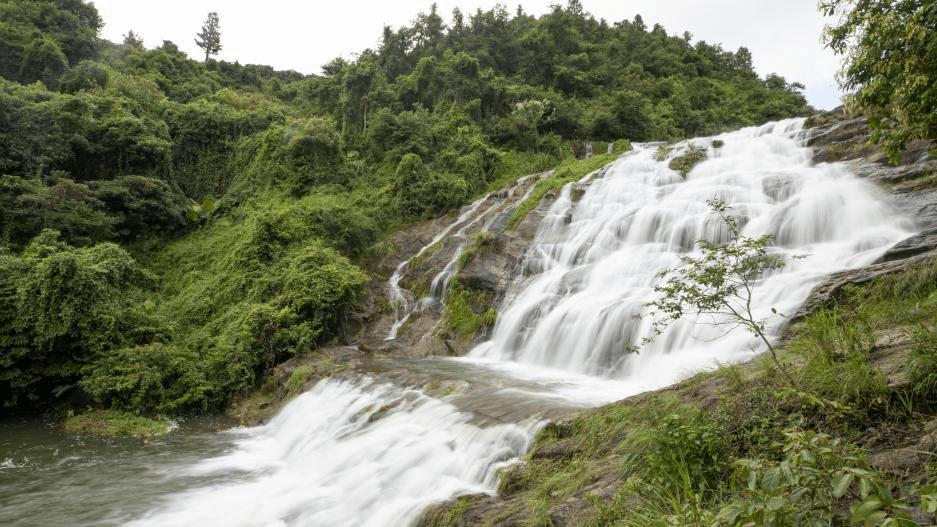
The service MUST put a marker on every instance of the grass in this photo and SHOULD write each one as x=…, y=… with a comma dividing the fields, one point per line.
x=112, y=423
x=668, y=458
x=461, y=315
x=567, y=172
x=298, y=379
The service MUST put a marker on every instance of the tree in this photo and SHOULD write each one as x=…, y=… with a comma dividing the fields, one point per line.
x=891, y=63
x=720, y=282
x=210, y=36
x=133, y=40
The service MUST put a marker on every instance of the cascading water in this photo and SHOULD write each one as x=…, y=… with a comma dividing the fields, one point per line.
x=439, y=286
x=581, y=301
x=362, y=454
x=397, y=299
x=375, y=451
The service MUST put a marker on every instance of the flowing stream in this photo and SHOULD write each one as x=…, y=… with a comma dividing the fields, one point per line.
x=376, y=448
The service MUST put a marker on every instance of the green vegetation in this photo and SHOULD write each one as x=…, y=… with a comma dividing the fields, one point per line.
x=298, y=378
x=213, y=219
x=111, y=423
x=738, y=446
x=891, y=60
x=464, y=312
x=684, y=163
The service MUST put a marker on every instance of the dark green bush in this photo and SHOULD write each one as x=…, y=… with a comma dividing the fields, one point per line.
x=61, y=307
x=87, y=75
x=142, y=206
x=688, y=453
x=295, y=157
x=29, y=206
x=148, y=379
x=421, y=192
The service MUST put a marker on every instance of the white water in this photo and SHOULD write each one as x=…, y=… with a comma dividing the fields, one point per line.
x=397, y=299
x=591, y=271
x=345, y=454
x=373, y=453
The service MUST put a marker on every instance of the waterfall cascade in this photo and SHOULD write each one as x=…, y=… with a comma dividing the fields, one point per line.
x=370, y=452
x=590, y=274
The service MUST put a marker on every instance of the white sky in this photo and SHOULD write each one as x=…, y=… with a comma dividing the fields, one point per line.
x=783, y=35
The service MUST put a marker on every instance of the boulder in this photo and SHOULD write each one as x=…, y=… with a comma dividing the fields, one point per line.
x=912, y=246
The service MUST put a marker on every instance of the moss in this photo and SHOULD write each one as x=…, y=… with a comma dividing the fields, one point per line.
x=112, y=423
x=462, y=311
x=685, y=163
x=567, y=172
x=299, y=378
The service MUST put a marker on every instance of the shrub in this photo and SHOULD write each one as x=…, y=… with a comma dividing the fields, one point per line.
x=61, y=307
x=419, y=192
x=145, y=379
x=688, y=453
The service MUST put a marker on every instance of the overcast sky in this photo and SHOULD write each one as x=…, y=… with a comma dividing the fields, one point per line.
x=783, y=35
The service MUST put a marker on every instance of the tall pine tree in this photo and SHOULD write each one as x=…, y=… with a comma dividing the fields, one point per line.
x=209, y=38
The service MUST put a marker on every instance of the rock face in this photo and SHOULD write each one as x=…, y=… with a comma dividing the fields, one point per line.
x=477, y=255
x=910, y=186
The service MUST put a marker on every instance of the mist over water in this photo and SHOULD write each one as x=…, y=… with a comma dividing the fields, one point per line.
x=376, y=451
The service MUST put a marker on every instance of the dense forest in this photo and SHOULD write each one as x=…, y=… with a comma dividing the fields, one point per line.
x=171, y=229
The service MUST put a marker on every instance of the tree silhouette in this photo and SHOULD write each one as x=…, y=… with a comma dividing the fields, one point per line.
x=210, y=36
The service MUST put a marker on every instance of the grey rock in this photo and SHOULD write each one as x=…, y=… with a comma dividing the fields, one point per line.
x=918, y=244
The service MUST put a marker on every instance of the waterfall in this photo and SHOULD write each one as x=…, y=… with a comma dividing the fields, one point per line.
x=376, y=450
x=397, y=299
x=439, y=285
x=354, y=454
x=582, y=299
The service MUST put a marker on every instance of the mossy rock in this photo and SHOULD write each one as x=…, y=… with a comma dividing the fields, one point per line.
x=112, y=423
x=685, y=163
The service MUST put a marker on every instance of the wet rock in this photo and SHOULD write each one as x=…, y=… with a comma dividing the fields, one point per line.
x=836, y=137
x=827, y=292
x=918, y=244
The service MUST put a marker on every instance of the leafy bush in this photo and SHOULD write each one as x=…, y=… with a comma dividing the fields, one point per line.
x=205, y=134
x=803, y=489
x=61, y=306
x=421, y=192
x=147, y=379
x=141, y=205
x=294, y=156
x=87, y=75
x=29, y=206
x=688, y=453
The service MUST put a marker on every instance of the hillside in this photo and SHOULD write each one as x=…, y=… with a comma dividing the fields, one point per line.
x=172, y=230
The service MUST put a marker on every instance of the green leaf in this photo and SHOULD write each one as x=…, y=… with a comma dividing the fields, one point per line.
x=864, y=510
x=841, y=483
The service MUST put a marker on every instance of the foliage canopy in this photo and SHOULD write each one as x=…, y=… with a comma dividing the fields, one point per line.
x=891, y=64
